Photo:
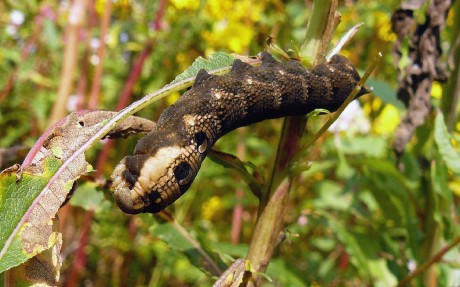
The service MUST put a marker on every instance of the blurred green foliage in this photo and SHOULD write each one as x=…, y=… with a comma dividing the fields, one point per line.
x=354, y=218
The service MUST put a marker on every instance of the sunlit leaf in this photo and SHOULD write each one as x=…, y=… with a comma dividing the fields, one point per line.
x=216, y=61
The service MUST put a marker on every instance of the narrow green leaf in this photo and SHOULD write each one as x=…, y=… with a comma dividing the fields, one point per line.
x=254, y=181
x=317, y=112
x=179, y=239
x=216, y=61
x=365, y=253
x=442, y=139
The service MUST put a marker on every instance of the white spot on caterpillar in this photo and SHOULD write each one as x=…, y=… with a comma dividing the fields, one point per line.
x=217, y=95
x=249, y=81
x=281, y=72
x=189, y=120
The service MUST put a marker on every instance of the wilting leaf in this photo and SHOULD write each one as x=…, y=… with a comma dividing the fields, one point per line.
x=43, y=269
x=31, y=196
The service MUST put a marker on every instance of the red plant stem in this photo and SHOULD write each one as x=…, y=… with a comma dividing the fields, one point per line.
x=237, y=219
x=70, y=58
x=79, y=261
x=97, y=80
x=134, y=76
x=124, y=100
x=9, y=85
x=157, y=23
x=83, y=82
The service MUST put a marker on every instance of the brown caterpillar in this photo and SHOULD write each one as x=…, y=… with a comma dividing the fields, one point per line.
x=166, y=161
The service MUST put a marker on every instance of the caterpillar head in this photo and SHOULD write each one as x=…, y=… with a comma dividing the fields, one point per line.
x=149, y=182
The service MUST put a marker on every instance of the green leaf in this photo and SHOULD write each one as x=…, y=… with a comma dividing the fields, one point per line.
x=51, y=35
x=390, y=190
x=385, y=92
x=366, y=145
x=89, y=198
x=331, y=195
x=254, y=181
x=442, y=139
x=317, y=112
x=15, y=199
x=365, y=255
x=216, y=61
x=179, y=239
x=280, y=270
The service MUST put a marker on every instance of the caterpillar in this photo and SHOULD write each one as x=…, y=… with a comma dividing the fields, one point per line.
x=166, y=160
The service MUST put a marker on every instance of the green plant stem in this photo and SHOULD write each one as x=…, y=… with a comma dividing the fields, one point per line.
x=320, y=30
x=451, y=93
x=274, y=200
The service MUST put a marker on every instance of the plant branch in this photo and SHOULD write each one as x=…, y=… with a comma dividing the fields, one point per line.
x=436, y=258
x=275, y=198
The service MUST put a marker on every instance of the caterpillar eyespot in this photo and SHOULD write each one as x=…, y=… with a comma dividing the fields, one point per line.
x=183, y=173
x=167, y=160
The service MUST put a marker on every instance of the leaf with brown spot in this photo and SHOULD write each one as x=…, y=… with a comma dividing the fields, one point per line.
x=43, y=269
x=31, y=195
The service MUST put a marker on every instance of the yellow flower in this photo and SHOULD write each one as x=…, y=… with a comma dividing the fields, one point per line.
x=436, y=91
x=211, y=207
x=232, y=30
x=455, y=186
x=387, y=121
x=384, y=31
x=185, y=4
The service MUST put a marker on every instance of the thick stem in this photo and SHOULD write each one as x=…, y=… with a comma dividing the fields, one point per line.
x=324, y=20
x=273, y=202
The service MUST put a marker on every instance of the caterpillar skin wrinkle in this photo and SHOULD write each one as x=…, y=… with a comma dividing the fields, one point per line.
x=166, y=160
